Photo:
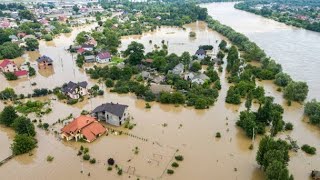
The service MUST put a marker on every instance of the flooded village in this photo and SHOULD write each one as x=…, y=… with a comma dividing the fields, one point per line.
x=167, y=119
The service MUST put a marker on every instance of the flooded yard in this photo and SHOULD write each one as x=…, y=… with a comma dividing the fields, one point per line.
x=188, y=132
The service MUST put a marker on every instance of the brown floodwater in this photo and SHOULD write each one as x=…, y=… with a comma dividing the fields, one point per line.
x=189, y=132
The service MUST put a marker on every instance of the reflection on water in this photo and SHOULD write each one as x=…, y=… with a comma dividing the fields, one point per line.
x=297, y=50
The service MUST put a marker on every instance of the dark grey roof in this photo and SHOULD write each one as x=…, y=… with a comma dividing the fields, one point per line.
x=201, y=52
x=44, y=58
x=71, y=86
x=116, y=109
x=87, y=46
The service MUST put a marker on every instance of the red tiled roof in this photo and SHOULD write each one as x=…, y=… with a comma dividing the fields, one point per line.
x=93, y=130
x=81, y=50
x=104, y=55
x=148, y=60
x=21, y=73
x=5, y=63
x=88, y=127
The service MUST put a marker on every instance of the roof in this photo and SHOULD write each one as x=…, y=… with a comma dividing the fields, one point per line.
x=158, y=88
x=201, y=52
x=87, y=46
x=87, y=125
x=71, y=86
x=80, y=50
x=44, y=58
x=116, y=109
x=77, y=124
x=21, y=73
x=148, y=60
x=5, y=63
x=89, y=57
x=201, y=76
x=178, y=69
x=104, y=55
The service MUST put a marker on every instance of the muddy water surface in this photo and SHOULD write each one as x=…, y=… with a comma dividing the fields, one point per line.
x=189, y=132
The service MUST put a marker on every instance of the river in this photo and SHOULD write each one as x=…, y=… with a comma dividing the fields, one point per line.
x=189, y=130
x=296, y=49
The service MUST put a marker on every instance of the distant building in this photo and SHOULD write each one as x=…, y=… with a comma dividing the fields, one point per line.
x=88, y=47
x=114, y=114
x=103, y=57
x=198, y=78
x=75, y=90
x=158, y=88
x=83, y=127
x=44, y=62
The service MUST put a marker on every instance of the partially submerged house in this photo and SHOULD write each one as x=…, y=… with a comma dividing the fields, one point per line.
x=114, y=114
x=8, y=66
x=89, y=59
x=75, y=90
x=198, y=78
x=83, y=127
x=103, y=57
x=158, y=88
x=315, y=175
x=44, y=62
x=178, y=69
x=201, y=54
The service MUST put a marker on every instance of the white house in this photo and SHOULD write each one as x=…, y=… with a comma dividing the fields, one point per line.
x=114, y=114
x=103, y=57
x=75, y=90
x=198, y=78
x=201, y=54
x=8, y=66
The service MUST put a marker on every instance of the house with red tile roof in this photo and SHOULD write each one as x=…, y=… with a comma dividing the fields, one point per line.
x=8, y=66
x=83, y=127
x=21, y=73
x=103, y=57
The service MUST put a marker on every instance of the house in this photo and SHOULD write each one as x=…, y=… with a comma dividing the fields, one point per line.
x=145, y=75
x=83, y=127
x=178, y=69
x=88, y=47
x=81, y=50
x=197, y=78
x=315, y=175
x=103, y=57
x=75, y=90
x=158, y=79
x=114, y=114
x=201, y=54
x=158, y=88
x=8, y=66
x=200, y=78
x=13, y=38
x=89, y=59
x=21, y=73
x=44, y=62
x=147, y=61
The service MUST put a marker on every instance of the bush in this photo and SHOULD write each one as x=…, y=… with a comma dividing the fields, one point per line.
x=288, y=126
x=309, y=149
x=86, y=157
x=109, y=168
x=93, y=161
x=170, y=171
x=175, y=164
x=72, y=101
x=111, y=161
x=47, y=37
x=218, y=135
x=179, y=158
x=296, y=91
x=109, y=83
x=10, y=76
x=148, y=106
x=120, y=172
x=50, y=158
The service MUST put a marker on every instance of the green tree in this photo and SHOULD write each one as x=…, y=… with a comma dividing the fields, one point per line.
x=247, y=122
x=223, y=45
x=22, y=143
x=32, y=44
x=8, y=93
x=81, y=37
x=76, y=9
x=296, y=91
x=26, y=14
x=185, y=58
x=10, y=50
x=135, y=51
x=312, y=109
x=8, y=115
x=278, y=170
x=195, y=67
x=23, y=125
x=282, y=79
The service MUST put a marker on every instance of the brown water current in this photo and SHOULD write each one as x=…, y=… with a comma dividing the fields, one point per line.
x=191, y=132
